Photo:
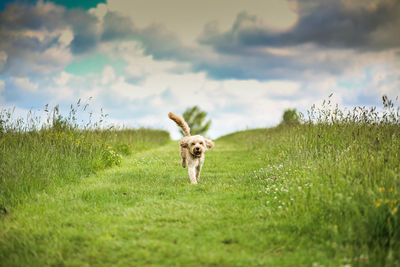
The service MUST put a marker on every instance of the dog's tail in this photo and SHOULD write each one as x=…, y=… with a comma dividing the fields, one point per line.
x=180, y=122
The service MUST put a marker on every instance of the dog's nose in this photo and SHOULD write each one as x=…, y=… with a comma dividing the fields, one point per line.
x=197, y=148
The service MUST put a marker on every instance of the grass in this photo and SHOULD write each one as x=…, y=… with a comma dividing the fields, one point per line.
x=36, y=154
x=324, y=193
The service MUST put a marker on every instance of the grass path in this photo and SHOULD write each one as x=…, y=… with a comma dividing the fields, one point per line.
x=147, y=213
x=143, y=212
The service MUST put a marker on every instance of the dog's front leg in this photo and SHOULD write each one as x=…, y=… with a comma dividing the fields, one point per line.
x=184, y=162
x=192, y=174
x=198, y=170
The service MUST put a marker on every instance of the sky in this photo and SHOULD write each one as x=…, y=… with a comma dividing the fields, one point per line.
x=243, y=62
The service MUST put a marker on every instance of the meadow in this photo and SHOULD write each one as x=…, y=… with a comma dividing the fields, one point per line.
x=324, y=192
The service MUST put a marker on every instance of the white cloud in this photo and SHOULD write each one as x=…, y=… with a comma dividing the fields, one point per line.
x=231, y=104
x=66, y=36
x=62, y=79
x=160, y=93
x=108, y=75
x=139, y=64
x=26, y=85
x=2, y=85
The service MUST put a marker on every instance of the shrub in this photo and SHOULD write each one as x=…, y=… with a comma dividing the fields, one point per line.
x=290, y=118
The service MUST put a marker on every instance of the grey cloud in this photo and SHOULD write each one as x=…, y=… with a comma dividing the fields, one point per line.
x=163, y=44
x=116, y=27
x=16, y=17
x=20, y=17
x=28, y=31
x=85, y=31
x=328, y=23
x=324, y=26
x=156, y=39
x=253, y=63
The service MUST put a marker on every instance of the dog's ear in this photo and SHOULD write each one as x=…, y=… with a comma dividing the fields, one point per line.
x=184, y=143
x=209, y=143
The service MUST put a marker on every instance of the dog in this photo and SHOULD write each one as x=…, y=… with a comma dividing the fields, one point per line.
x=192, y=149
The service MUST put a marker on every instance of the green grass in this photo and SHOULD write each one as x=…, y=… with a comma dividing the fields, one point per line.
x=35, y=155
x=325, y=193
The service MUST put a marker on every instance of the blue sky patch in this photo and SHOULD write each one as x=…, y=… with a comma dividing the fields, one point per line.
x=95, y=64
x=86, y=4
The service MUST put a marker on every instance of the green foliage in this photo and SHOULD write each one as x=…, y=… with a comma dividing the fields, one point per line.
x=290, y=117
x=110, y=157
x=195, y=118
x=123, y=149
x=1, y=126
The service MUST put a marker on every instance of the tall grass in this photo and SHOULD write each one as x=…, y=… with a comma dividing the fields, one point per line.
x=357, y=157
x=338, y=177
x=39, y=151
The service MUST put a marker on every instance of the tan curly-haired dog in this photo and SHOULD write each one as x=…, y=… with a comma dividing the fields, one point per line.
x=192, y=149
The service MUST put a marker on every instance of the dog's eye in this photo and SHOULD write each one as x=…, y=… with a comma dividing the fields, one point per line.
x=193, y=144
x=201, y=143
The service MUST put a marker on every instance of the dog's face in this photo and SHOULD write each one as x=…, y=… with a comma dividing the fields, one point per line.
x=196, y=144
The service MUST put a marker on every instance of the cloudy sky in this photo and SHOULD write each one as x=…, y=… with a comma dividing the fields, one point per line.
x=243, y=62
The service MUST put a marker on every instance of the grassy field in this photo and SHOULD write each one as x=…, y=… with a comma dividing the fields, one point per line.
x=325, y=193
x=35, y=154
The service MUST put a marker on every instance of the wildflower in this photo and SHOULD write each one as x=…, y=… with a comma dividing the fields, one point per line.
x=390, y=190
x=279, y=207
x=378, y=204
x=381, y=189
x=394, y=211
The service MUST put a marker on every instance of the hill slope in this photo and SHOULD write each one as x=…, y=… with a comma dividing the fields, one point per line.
x=279, y=197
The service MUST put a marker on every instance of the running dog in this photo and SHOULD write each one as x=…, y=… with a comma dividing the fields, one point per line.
x=192, y=149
